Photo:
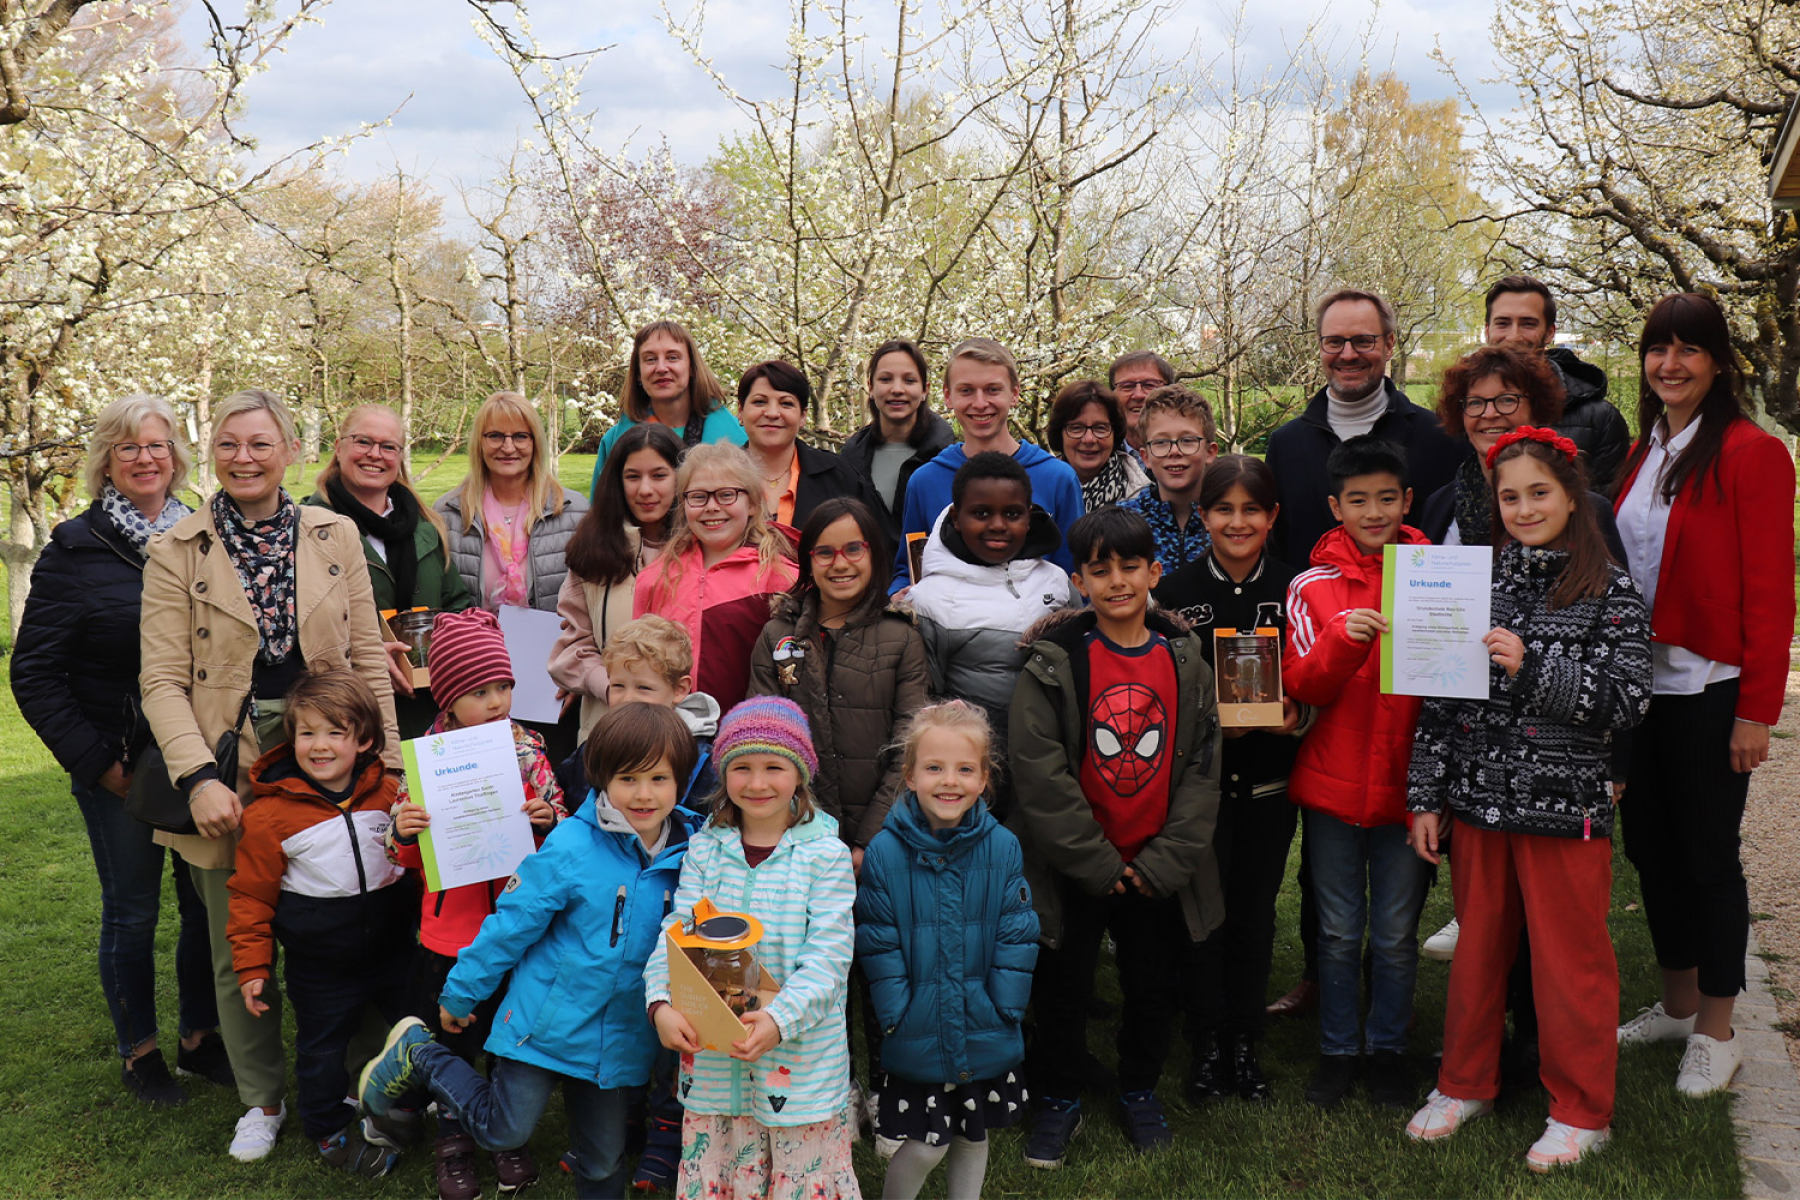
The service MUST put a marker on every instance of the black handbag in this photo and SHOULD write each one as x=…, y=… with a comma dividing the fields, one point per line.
x=160, y=803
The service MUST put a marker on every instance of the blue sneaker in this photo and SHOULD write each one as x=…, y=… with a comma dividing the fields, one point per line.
x=1053, y=1127
x=1146, y=1128
x=388, y=1079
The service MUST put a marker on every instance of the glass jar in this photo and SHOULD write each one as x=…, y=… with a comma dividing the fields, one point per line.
x=729, y=967
x=414, y=628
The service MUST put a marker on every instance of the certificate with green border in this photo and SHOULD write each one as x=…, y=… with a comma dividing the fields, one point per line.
x=468, y=780
x=1437, y=601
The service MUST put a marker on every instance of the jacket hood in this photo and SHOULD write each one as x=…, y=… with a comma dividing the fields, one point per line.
x=1338, y=549
x=1042, y=539
x=1068, y=626
x=700, y=713
x=1584, y=382
x=822, y=825
x=1029, y=454
x=907, y=821
x=603, y=816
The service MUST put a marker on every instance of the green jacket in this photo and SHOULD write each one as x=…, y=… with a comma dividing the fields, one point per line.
x=1052, y=818
x=439, y=587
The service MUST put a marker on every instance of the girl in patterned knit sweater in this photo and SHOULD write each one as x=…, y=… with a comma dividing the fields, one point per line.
x=1527, y=775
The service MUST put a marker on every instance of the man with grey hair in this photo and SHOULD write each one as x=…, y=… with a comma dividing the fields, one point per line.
x=1132, y=377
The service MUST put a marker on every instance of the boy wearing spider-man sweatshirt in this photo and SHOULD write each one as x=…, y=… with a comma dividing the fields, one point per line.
x=1114, y=754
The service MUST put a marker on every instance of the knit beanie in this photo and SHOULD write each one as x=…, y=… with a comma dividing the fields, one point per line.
x=767, y=725
x=467, y=651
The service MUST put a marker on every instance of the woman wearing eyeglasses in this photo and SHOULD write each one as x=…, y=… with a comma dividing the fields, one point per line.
x=1087, y=430
x=509, y=523
x=720, y=569
x=75, y=676
x=241, y=599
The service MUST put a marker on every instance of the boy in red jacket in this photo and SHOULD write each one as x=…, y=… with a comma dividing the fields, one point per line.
x=1350, y=777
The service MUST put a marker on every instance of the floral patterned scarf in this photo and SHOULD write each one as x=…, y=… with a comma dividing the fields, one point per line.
x=132, y=524
x=263, y=554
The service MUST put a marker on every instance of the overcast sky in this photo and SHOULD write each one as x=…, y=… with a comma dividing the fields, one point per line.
x=370, y=56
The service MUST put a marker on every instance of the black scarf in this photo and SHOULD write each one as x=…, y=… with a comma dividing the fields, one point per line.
x=394, y=531
x=1474, y=504
x=1107, y=487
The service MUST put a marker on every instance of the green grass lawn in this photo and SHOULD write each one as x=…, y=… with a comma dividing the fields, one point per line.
x=68, y=1128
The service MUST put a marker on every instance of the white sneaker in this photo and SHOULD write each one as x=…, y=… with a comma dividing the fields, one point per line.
x=255, y=1135
x=1654, y=1025
x=1564, y=1145
x=1442, y=944
x=1708, y=1065
x=1443, y=1115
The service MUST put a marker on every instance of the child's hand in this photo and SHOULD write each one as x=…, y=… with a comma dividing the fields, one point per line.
x=250, y=992
x=541, y=814
x=1139, y=882
x=856, y=857
x=453, y=1023
x=763, y=1037
x=410, y=820
x=1364, y=623
x=675, y=1031
x=1424, y=836
x=1507, y=651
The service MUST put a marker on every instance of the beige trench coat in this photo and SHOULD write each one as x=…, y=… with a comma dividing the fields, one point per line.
x=199, y=642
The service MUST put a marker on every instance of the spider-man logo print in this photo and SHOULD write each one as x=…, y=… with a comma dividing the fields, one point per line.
x=1128, y=722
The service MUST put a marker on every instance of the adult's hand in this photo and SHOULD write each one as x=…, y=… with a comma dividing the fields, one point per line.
x=116, y=780
x=1749, y=746
x=399, y=667
x=215, y=809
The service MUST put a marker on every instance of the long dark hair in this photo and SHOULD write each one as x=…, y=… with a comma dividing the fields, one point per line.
x=881, y=557
x=1586, y=573
x=1699, y=321
x=916, y=435
x=598, y=550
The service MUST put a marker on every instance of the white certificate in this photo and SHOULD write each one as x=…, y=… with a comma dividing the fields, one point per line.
x=530, y=636
x=1436, y=600
x=468, y=780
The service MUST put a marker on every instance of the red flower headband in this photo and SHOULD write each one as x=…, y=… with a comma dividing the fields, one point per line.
x=1531, y=433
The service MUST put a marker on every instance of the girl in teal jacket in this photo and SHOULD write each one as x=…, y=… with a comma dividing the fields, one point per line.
x=575, y=926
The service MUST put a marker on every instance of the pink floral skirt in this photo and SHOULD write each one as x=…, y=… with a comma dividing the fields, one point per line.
x=734, y=1158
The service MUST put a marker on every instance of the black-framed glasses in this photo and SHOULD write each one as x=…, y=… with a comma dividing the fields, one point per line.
x=724, y=497
x=496, y=438
x=824, y=556
x=1100, y=432
x=225, y=450
x=368, y=445
x=1163, y=447
x=129, y=451
x=1505, y=403
x=1138, y=385
x=1362, y=343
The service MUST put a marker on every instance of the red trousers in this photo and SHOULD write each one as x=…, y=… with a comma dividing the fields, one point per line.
x=1561, y=889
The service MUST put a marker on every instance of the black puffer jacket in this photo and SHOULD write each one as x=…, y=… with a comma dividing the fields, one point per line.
x=930, y=438
x=75, y=664
x=1597, y=428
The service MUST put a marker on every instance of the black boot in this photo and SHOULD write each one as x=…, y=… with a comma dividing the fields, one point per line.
x=1212, y=1073
x=1246, y=1072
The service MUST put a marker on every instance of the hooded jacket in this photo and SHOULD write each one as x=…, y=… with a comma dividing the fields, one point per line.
x=723, y=608
x=1052, y=817
x=971, y=615
x=1055, y=488
x=946, y=934
x=1352, y=766
x=1597, y=428
x=313, y=876
x=857, y=685
x=1535, y=756
x=544, y=564
x=575, y=927
x=802, y=893
x=700, y=713
x=931, y=436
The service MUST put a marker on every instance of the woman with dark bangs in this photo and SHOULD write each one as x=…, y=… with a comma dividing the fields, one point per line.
x=772, y=399
x=667, y=382
x=1087, y=430
x=1705, y=507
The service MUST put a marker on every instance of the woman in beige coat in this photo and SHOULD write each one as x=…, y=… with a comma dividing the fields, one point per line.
x=242, y=597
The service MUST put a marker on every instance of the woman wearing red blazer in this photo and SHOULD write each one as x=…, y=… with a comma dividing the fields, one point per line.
x=1705, y=511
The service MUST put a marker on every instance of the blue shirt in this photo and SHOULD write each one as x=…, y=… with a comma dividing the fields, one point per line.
x=1055, y=488
x=1175, y=547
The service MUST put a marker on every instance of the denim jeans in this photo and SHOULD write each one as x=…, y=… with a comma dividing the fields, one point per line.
x=130, y=867
x=500, y=1112
x=1365, y=878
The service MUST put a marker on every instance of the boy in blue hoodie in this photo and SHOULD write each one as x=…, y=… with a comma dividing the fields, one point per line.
x=981, y=385
x=588, y=906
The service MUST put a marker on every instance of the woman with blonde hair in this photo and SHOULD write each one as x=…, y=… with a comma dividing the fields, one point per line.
x=723, y=566
x=240, y=599
x=75, y=676
x=667, y=381
x=508, y=523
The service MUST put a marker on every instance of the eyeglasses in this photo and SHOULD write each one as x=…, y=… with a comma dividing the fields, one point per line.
x=226, y=450
x=824, y=556
x=368, y=445
x=1163, y=447
x=495, y=438
x=723, y=497
x=1362, y=343
x=1138, y=385
x=1101, y=432
x=1504, y=403
x=129, y=451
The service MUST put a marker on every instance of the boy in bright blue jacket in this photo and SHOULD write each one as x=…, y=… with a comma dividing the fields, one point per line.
x=574, y=926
